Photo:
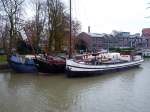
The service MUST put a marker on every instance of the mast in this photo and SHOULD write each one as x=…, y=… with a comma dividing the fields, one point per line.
x=33, y=50
x=70, y=38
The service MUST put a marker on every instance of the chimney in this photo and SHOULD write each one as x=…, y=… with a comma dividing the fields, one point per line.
x=89, y=30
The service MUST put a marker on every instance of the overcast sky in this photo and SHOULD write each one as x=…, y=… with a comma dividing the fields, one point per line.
x=103, y=16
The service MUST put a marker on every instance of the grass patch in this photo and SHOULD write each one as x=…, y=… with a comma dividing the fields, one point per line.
x=3, y=58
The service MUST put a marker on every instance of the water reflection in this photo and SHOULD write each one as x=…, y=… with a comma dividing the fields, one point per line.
x=124, y=91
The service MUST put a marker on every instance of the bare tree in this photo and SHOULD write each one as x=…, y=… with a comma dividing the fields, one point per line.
x=40, y=18
x=3, y=32
x=64, y=33
x=55, y=9
x=12, y=10
x=4, y=37
x=58, y=22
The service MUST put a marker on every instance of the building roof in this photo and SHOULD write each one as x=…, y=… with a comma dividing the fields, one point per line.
x=146, y=29
x=146, y=32
x=96, y=34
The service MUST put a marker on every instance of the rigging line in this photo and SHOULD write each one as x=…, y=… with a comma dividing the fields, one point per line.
x=75, y=10
x=76, y=14
x=84, y=11
x=79, y=13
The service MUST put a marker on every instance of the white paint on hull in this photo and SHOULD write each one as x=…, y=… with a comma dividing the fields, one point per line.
x=77, y=67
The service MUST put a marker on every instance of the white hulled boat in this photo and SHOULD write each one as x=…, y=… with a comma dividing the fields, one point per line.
x=146, y=53
x=99, y=63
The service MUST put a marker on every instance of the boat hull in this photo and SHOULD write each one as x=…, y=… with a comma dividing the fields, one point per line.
x=22, y=67
x=75, y=69
x=46, y=67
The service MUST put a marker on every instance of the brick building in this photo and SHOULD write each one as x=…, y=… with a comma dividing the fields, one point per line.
x=93, y=40
x=146, y=34
x=104, y=41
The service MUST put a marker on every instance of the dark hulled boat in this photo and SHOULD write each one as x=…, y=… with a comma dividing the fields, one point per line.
x=21, y=64
x=50, y=64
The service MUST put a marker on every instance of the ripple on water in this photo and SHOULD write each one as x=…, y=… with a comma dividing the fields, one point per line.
x=123, y=91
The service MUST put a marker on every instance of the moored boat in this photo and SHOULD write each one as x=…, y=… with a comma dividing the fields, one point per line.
x=97, y=65
x=21, y=64
x=50, y=64
x=146, y=53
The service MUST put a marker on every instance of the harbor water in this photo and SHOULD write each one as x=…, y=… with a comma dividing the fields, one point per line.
x=123, y=91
